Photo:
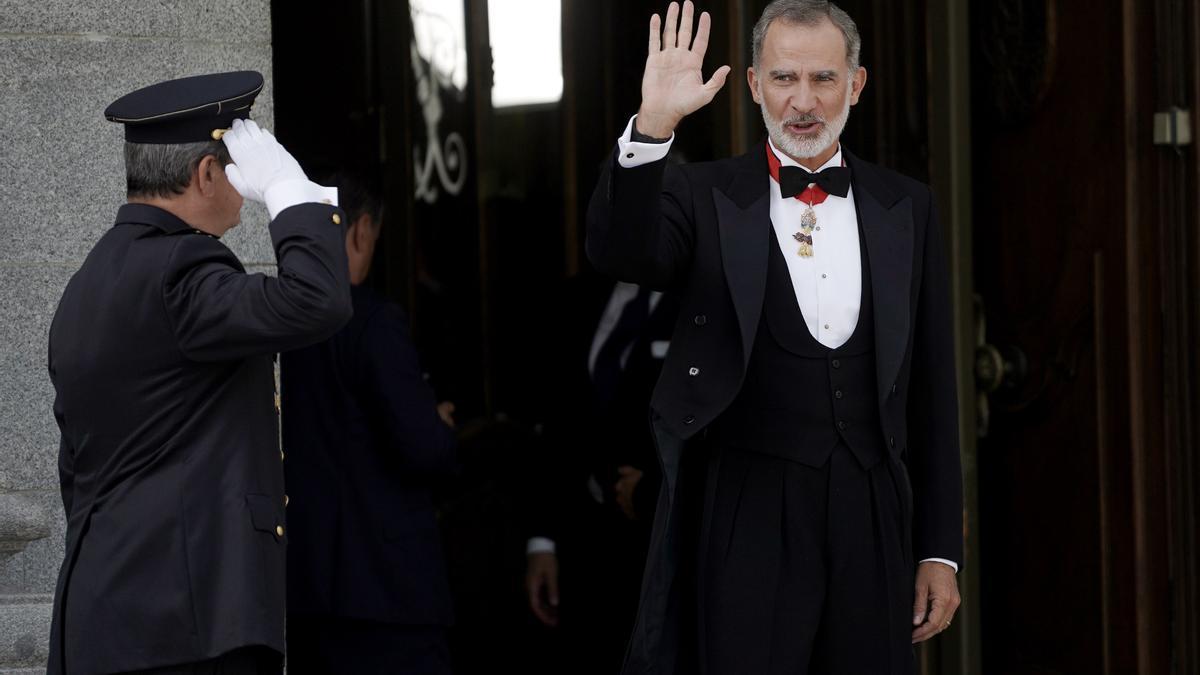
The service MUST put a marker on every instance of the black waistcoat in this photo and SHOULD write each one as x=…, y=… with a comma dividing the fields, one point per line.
x=801, y=398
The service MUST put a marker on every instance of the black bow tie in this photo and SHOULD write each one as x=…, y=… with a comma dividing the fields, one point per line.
x=835, y=180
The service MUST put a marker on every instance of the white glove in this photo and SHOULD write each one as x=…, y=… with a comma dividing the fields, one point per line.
x=259, y=161
x=264, y=171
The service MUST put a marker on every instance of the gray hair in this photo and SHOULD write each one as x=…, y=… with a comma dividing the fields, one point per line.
x=163, y=170
x=808, y=13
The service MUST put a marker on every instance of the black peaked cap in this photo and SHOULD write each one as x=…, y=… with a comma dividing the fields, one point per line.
x=187, y=110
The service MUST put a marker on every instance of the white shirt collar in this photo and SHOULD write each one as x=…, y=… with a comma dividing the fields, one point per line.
x=784, y=160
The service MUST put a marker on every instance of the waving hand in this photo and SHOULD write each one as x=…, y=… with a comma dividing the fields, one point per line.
x=673, y=85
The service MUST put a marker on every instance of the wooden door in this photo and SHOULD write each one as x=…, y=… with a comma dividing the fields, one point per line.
x=1073, y=567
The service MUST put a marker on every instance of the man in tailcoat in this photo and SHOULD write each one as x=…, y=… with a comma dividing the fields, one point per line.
x=161, y=356
x=810, y=516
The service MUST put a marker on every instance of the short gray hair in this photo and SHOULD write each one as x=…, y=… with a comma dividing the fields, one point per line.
x=808, y=13
x=164, y=170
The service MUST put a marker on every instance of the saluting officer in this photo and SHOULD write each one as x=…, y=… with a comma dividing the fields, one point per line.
x=161, y=356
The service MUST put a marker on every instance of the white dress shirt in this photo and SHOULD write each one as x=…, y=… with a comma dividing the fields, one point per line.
x=622, y=294
x=828, y=285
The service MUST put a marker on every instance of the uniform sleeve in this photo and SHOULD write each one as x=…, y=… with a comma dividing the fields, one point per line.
x=219, y=312
x=400, y=399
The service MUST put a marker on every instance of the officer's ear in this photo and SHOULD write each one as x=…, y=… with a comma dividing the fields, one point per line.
x=208, y=173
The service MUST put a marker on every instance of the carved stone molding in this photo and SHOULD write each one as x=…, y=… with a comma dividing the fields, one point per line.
x=22, y=520
x=24, y=633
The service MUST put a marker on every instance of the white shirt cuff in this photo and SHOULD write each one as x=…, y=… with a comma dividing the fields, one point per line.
x=636, y=154
x=953, y=565
x=540, y=545
x=289, y=193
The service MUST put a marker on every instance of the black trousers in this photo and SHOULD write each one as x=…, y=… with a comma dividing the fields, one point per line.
x=802, y=570
x=320, y=645
x=245, y=661
x=601, y=563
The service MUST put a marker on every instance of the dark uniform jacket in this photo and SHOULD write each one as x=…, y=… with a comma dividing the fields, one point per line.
x=704, y=230
x=161, y=355
x=585, y=437
x=365, y=449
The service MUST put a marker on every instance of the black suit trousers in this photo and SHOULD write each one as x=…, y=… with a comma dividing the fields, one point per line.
x=331, y=645
x=799, y=570
x=244, y=661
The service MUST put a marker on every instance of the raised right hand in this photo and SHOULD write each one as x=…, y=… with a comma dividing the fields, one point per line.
x=673, y=86
x=259, y=161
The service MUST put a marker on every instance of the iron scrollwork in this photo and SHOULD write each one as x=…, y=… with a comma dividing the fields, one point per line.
x=443, y=159
x=1018, y=45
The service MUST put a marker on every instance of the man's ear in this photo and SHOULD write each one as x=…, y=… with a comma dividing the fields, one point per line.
x=857, y=83
x=363, y=231
x=358, y=233
x=205, y=177
x=752, y=81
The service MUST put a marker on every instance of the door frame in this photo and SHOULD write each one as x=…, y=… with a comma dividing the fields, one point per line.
x=948, y=30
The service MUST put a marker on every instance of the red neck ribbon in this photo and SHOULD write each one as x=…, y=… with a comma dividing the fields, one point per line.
x=813, y=194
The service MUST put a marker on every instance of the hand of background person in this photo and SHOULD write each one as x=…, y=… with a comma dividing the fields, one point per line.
x=673, y=85
x=936, y=600
x=625, y=487
x=445, y=410
x=259, y=161
x=541, y=583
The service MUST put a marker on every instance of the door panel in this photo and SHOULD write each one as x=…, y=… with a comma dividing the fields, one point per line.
x=1050, y=225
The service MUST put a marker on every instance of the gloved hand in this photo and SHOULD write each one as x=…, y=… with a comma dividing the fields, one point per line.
x=259, y=161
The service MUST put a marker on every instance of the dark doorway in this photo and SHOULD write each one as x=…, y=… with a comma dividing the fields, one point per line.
x=1084, y=254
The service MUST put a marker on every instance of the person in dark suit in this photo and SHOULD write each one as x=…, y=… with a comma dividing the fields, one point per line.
x=806, y=417
x=366, y=444
x=597, y=479
x=161, y=355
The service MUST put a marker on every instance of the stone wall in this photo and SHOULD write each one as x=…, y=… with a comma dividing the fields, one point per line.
x=61, y=180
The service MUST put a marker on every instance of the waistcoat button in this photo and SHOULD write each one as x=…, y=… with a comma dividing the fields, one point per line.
x=700, y=320
x=689, y=419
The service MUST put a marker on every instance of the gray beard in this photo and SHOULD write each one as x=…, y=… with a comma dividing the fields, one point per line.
x=806, y=148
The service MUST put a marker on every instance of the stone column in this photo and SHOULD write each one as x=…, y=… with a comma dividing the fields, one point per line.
x=61, y=180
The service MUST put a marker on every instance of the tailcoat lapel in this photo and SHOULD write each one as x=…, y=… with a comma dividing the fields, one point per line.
x=887, y=222
x=744, y=223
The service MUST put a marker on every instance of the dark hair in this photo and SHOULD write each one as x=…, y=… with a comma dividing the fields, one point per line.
x=163, y=170
x=356, y=195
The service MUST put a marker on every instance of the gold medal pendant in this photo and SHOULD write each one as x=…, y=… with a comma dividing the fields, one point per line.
x=808, y=221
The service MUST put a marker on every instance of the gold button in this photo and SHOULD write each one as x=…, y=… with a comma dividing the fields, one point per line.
x=281, y=455
x=218, y=133
x=337, y=220
x=279, y=530
x=285, y=500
